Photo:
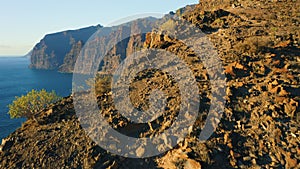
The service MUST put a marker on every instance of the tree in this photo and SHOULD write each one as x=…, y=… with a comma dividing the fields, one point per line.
x=31, y=103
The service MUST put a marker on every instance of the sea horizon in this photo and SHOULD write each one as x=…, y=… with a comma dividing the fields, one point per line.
x=15, y=56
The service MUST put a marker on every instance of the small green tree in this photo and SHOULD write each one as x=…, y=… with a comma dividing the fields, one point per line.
x=31, y=103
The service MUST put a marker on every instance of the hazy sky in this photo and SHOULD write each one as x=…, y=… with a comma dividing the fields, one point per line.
x=25, y=22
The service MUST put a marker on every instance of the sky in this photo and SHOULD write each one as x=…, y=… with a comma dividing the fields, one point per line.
x=25, y=23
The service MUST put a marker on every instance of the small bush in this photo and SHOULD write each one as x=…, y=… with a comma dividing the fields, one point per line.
x=102, y=84
x=31, y=103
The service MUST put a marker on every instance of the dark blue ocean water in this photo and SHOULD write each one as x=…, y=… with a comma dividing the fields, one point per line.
x=17, y=79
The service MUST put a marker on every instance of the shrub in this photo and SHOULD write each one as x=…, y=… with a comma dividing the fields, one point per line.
x=102, y=84
x=31, y=103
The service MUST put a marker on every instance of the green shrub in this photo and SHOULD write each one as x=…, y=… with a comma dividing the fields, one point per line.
x=31, y=103
x=102, y=84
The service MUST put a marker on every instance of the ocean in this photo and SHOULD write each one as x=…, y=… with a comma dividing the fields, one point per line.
x=17, y=79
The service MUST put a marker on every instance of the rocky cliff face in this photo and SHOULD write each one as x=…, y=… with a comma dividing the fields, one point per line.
x=126, y=46
x=70, y=58
x=50, y=52
x=258, y=43
x=59, y=51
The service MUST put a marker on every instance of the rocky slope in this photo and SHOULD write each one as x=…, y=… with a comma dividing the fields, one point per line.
x=258, y=43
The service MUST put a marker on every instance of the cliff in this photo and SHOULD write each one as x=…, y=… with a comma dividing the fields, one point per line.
x=258, y=44
x=50, y=52
x=59, y=51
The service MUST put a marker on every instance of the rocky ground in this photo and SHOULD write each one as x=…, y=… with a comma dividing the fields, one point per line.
x=258, y=44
